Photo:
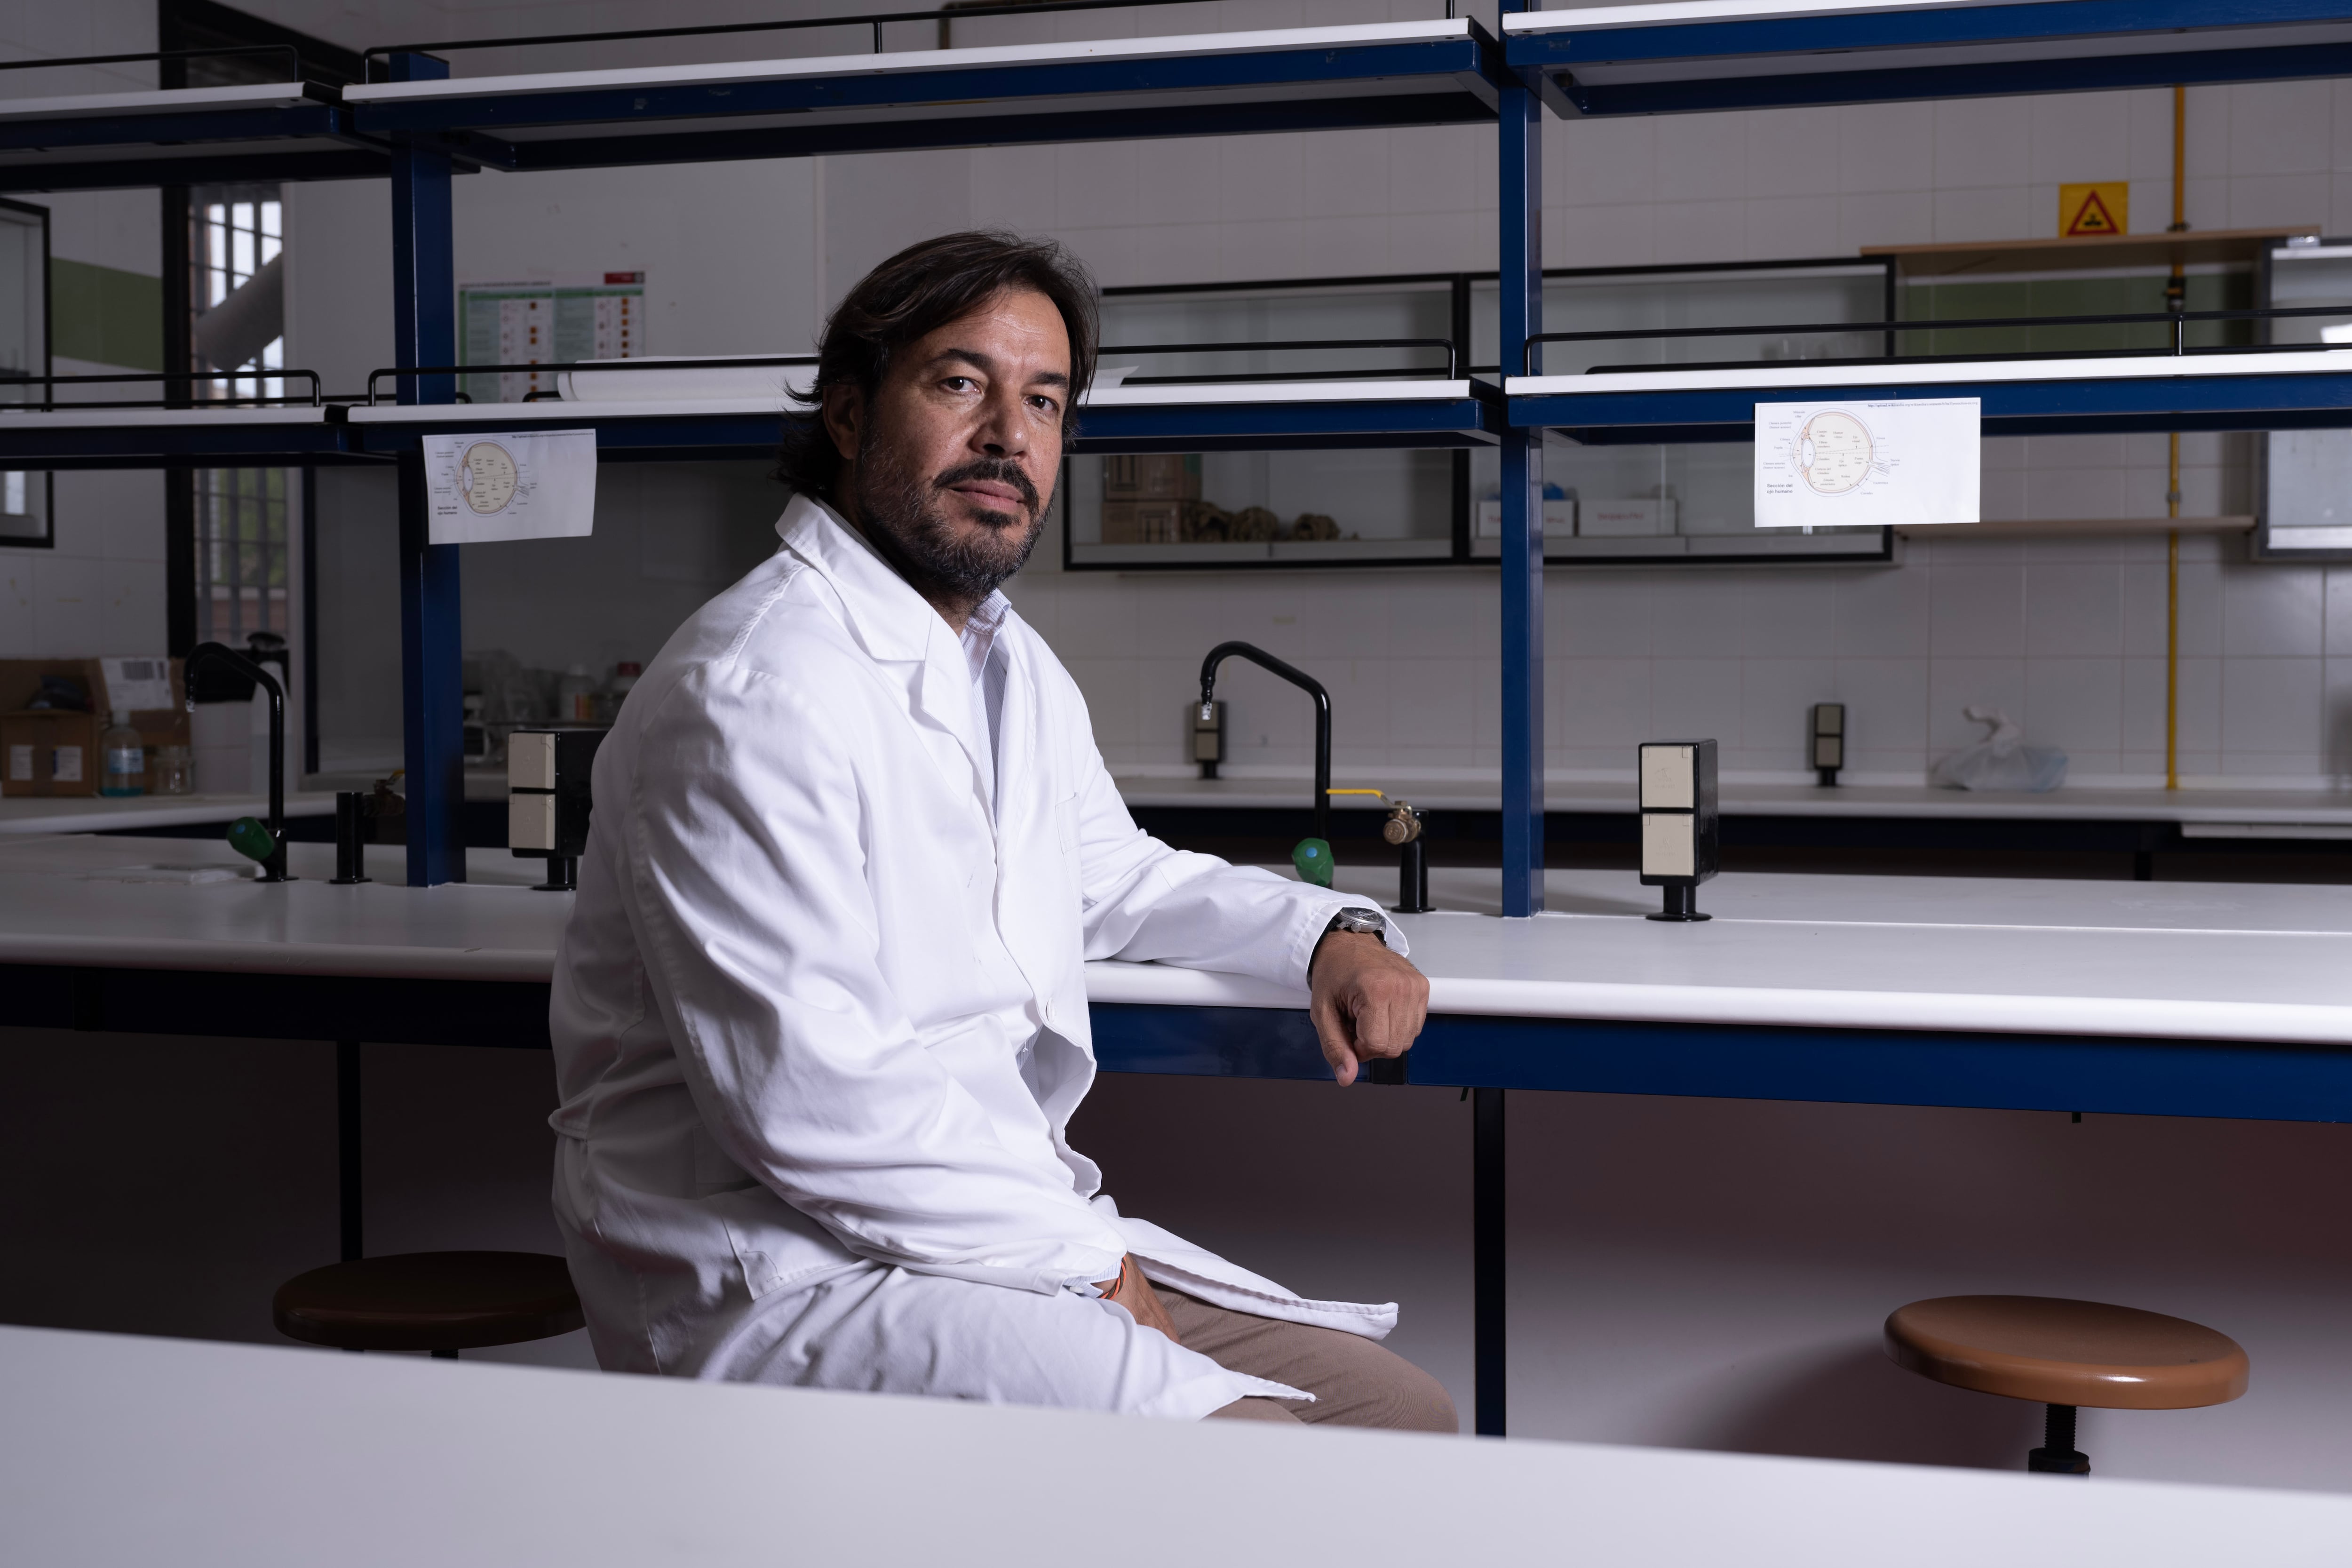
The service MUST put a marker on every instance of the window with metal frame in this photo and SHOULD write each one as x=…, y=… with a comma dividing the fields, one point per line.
x=235, y=250
x=27, y=520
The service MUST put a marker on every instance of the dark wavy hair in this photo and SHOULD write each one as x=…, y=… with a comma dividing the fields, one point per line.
x=916, y=293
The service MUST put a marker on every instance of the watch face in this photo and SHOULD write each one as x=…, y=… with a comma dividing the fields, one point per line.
x=1363, y=921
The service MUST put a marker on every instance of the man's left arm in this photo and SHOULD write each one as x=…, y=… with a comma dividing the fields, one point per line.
x=1146, y=901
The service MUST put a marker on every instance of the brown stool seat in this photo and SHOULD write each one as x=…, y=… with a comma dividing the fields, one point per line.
x=437, y=1301
x=2056, y=1352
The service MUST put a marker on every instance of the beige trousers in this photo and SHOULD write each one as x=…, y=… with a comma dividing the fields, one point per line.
x=1356, y=1383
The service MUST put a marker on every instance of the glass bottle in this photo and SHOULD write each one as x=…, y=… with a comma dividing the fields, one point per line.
x=124, y=769
x=174, y=772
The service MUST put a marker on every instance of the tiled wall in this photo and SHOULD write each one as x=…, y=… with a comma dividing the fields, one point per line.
x=2066, y=635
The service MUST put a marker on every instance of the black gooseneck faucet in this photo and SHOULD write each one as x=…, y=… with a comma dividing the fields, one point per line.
x=1302, y=856
x=245, y=835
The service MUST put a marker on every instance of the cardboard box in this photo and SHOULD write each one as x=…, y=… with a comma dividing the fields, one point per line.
x=1167, y=476
x=53, y=751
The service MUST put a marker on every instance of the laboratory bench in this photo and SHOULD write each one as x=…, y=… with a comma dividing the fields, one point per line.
x=172, y=815
x=2216, y=1000
x=119, y=1450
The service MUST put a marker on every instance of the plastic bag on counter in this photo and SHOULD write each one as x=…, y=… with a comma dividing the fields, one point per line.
x=2002, y=759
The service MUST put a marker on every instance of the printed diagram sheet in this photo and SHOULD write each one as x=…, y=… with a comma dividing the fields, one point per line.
x=535, y=484
x=1873, y=465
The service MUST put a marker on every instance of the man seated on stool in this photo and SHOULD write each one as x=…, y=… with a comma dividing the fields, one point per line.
x=820, y=1014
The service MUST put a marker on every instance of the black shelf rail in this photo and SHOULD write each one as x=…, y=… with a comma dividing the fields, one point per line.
x=49, y=404
x=369, y=56
x=293, y=56
x=2177, y=319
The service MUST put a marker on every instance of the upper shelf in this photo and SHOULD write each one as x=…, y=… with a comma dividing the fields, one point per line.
x=1698, y=55
x=2092, y=394
x=1176, y=417
x=1391, y=74
x=265, y=132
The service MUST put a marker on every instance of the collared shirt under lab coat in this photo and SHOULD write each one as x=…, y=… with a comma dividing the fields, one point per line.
x=820, y=1004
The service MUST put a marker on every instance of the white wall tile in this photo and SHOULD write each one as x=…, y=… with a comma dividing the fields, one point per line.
x=1258, y=177
x=2287, y=200
x=1603, y=162
x=1884, y=614
x=1885, y=217
x=1977, y=611
x=133, y=615
x=19, y=628
x=2079, y=136
x=2271, y=705
x=1886, y=705
x=1348, y=175
x=1696, y=230
x=1700, y=157
x=68, y=606
x=2271, y=610
x=1789, y=227
x=1887, y=147
x=1600, y=703
x=1793, y=153
x=1693, y=699
x=1954, y=684
x=2074, y=610
x=1982, y=142
x=1775, y=698
x=2279, y=127
x=1981, y=212
x=2075, y=704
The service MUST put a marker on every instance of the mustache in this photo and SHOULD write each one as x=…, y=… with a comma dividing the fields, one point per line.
x=998, y=470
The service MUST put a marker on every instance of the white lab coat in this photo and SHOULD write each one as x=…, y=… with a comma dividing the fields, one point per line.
x=820, y=1013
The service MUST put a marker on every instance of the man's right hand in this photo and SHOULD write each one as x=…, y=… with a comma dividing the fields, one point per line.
x=1134, y=1292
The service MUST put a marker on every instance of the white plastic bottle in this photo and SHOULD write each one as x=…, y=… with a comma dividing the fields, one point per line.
x=124, y=767
x=575, y=697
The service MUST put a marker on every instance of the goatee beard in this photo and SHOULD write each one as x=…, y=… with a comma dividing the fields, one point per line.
x=901, y=513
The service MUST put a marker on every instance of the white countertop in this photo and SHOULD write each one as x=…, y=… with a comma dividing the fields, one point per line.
x=1453, y=792
x=2206, y=961
x=104, y=814
x=124, y=1451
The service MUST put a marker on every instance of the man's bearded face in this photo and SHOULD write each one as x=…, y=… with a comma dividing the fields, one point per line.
x=938, y=539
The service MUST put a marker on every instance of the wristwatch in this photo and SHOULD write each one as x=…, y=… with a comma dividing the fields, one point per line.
x=1363, y=923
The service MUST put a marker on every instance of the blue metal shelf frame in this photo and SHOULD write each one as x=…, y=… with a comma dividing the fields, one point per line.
x=2045, y=46
x=652, y=123
x=2119, y=1076
x=432, y=638
x=120, y=151
x=2254, y=401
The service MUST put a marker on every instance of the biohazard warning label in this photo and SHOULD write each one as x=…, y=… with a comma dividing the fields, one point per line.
x=2104, y=207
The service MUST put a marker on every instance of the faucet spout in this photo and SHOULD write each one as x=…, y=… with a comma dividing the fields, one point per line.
x=273, y=863
x=1305, y=682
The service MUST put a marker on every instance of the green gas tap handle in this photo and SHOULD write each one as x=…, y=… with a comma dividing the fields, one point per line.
x=1313, y=858
x=250, y=837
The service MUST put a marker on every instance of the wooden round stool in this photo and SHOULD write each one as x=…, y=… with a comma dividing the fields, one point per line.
x=2063, y=1355
x=438, y=1302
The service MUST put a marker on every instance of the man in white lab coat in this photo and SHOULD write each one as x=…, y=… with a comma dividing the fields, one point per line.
x=820, y=1014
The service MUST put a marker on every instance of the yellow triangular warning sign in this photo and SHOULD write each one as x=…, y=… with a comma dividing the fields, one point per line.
x=2089, y=209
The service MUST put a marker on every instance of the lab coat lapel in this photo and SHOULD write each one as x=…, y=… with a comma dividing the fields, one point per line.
x=894, y=624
